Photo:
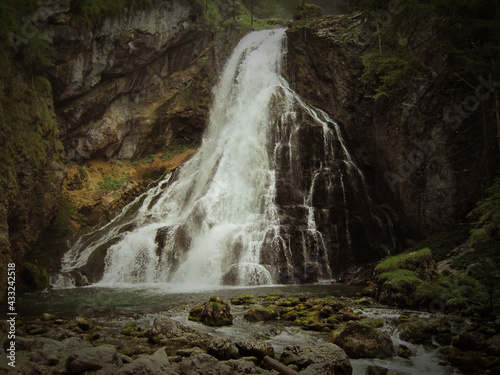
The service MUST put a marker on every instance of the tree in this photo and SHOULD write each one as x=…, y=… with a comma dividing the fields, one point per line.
x=251, y=12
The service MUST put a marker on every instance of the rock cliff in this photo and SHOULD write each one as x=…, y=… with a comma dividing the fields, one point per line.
x=123, y=87
x=429, y=153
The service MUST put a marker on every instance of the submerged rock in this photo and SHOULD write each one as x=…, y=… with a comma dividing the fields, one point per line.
x=215, y=312
x=362, y=341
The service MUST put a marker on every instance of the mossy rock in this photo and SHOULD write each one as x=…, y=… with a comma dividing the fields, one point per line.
x=420, y=262
x=362, y=341
x=290, y=316
x=260, y=314
x=472, y=361
x=288, y=302
x=243, y=300
x=130, y=329
x=337, y=305
x=363, y=302
x=421, y=331
x=215, y=312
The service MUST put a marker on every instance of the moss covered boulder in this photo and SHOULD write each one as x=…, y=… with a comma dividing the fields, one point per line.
x=362, y=341
x=400, y=276
x=418, y=330
x=215, y=312
x=261, y=314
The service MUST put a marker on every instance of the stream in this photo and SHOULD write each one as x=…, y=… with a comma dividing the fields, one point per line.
x=142, y=304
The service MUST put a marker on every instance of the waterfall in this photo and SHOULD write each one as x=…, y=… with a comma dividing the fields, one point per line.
x=264, y=200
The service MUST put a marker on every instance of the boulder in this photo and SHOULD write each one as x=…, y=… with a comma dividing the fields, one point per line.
x=244, y=366
x=223, y=349
x=156, y=364
x=215, y=312
x=171, y=329
x=322, y=359
x=82, y=323
x=93, y=359
x=362, y=341
x=260, y=314
x=255, y=348
x=470, y=341
x=46, y=317
x=204, y=364
x=493, y=346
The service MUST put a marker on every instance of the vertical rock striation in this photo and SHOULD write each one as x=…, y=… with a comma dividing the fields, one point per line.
x=124, y=87
x=426, y=156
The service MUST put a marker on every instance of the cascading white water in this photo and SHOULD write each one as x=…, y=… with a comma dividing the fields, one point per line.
x=217, y=220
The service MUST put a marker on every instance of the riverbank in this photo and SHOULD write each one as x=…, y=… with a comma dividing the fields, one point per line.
x=305, y=333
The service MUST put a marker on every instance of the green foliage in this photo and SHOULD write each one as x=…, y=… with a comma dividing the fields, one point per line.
x=111, y=183
x=272, y=8
x=442, y=243
x=412, y=34
x=480, y=252
x=306, y=11
x=175, y=149
x=487, y=215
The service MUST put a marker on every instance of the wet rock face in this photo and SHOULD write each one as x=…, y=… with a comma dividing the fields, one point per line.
x=418, y=175
x=327, y=215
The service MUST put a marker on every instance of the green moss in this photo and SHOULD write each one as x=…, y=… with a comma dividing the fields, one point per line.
x=307, y=11
x=129, y=329
x=410, y=261
x=111, y=183
x=243, y=300
x=399, y=276
x=175, y=149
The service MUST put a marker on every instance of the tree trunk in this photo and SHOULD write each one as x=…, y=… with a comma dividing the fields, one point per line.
x=251, y=12
x=280, y=367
